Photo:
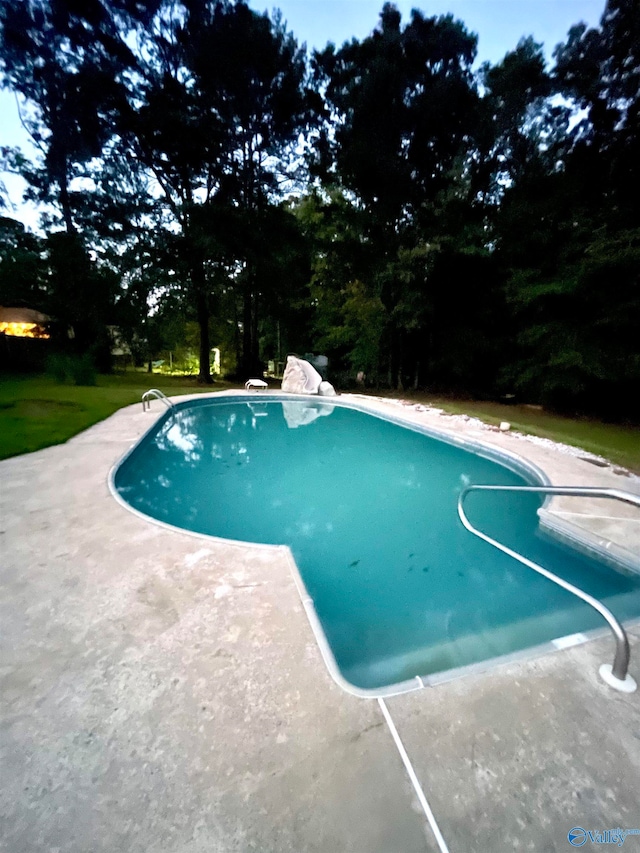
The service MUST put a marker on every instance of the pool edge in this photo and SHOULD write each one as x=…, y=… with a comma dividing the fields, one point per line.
x=514, y=462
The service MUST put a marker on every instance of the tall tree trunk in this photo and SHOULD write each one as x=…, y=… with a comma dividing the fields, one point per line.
x=246, y=366
x=255, y=341
x=65, y=201
x=400, y=386
x=198, y=280
x=237, y=341
x=250, y=365
x=204, y=374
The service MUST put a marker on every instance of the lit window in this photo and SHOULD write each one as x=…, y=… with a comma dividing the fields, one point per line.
x=23, y=330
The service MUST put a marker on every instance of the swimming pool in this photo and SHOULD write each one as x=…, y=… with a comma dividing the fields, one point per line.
x=368, y=509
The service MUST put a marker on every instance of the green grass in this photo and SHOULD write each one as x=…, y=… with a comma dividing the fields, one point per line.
x=36, y=411
x=619, y=444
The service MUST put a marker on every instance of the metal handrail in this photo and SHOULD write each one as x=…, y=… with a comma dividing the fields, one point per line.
x=154, y=392
x=617, y=675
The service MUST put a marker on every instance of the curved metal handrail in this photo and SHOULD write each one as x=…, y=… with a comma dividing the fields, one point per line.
x=617, y=676
x=154, y=392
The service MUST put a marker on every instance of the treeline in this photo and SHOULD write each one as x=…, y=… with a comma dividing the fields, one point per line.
x=426, y=223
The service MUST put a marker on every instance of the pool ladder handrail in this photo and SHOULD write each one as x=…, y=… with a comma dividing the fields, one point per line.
x=617, y=675
x=154, y=392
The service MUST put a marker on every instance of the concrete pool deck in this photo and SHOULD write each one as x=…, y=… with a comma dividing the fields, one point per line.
x=164, y=692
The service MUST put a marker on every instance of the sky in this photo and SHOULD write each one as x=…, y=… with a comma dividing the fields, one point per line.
x=499, y=25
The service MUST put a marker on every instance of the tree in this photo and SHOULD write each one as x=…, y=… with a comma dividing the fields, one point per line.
x=403, y=98
x=220, y=101
x=23, y=269
x=567, y=230
x=527, y=127
x=599, y=69
x=405, y=105
x=341, y=261
x=65, y=61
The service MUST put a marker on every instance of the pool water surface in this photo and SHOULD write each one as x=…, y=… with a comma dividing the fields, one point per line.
x=368, y=509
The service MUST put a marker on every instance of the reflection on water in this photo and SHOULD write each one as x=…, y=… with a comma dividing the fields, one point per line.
x=298, y=414
x=369, y=510
x=259, y=410
x=180, y=433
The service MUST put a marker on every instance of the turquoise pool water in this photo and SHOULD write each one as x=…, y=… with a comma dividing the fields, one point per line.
x=368, y=509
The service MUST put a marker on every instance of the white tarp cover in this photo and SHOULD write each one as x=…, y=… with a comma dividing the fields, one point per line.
x=326, y=389
x=300, y=377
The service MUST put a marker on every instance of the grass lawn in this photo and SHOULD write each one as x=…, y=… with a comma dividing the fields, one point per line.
x=36, y=412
